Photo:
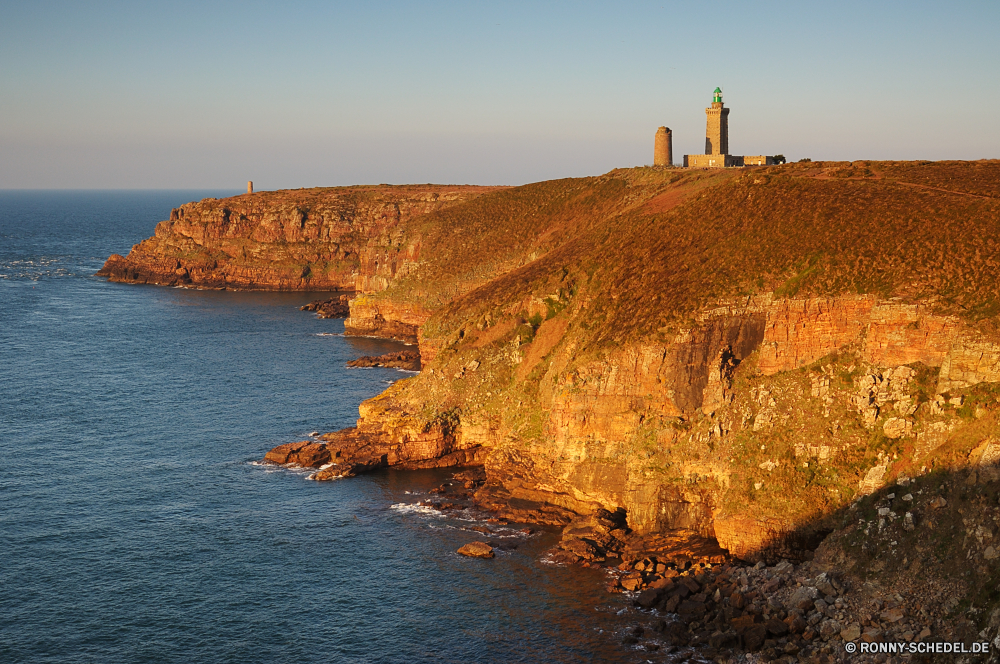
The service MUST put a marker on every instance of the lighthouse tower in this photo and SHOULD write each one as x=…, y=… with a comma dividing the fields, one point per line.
x=717, y=129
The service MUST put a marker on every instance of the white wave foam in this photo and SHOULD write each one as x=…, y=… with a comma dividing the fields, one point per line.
x=329, y=334
x=415, y=508
x=269, y=467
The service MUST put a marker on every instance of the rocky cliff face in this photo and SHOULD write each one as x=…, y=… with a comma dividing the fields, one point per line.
x=345, y=238
x=738, y=354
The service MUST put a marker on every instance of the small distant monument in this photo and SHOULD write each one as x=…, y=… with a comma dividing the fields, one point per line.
x=663, y=147
x=717, y=141
x=250, y=186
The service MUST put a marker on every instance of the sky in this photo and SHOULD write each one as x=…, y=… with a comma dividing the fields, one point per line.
x=119, y=95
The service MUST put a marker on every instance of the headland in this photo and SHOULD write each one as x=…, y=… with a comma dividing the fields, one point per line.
x=781, y=383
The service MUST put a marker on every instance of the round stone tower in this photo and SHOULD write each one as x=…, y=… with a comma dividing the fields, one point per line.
x=663, y=147
x=250, y=187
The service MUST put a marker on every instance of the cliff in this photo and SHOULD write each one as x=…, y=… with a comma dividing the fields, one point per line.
x=343, y=238
x=728, y=352
x=769, y=358
x=755, y=355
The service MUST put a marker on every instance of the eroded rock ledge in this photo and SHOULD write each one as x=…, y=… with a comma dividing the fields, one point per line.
x=334, y=307
x=340, y=238
x=745, y=373
x=404, y=359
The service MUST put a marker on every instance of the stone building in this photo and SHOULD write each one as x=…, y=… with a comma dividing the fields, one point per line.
x=663, y=147
x=717, y=141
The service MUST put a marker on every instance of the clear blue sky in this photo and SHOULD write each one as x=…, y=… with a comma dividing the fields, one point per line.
x=298, y=94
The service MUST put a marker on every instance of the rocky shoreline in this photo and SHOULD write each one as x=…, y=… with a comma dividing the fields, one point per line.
x=681, y=369
x=696, y=602
x=408, y=360
x=334, y=307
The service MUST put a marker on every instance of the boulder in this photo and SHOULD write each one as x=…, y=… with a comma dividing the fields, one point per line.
x=896, y=427
x=632, y=582
x=663, y=583
x=871, y=634
x=564, y=557
x=648, y=597
x=304, y=453
x=753, y=637
x=582, y=548
x=335, y=307
x=797, y=625
x=776, y=627
x=829, y=629
x=892, y=615
x=851, y=633
x=404, y=359
x=477, y=550
x=784, y=567
x=824, y=584
x=691, y=608
x=720, y=639
x=803, y=598
x=690, y=584
x=675, y=631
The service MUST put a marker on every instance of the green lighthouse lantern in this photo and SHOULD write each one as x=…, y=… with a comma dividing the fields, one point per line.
x=717, y=96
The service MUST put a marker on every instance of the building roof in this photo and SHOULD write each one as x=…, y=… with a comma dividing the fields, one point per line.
x=718, y=90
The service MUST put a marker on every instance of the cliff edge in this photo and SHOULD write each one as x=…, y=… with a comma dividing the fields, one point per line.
x=757, y=356
x=306, y=239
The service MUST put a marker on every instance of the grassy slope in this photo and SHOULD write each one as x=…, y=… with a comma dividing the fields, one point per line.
x=781, y=229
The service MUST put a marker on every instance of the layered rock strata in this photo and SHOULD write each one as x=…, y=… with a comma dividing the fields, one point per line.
x=708, y=388
x=345, y=238
x=613, y=367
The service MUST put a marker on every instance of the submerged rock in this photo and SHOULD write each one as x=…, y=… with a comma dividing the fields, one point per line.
x=477, y=550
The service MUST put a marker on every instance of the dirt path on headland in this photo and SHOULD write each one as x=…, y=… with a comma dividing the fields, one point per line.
x=827, y=176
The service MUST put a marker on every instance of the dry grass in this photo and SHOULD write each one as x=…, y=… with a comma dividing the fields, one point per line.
x=635, y=265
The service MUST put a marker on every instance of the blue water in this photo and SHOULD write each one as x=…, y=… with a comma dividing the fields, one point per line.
x=135, y=525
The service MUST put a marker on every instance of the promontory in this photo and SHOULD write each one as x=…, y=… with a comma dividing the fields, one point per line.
x=796, y=361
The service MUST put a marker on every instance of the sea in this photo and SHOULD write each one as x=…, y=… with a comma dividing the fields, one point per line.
x=137, y=523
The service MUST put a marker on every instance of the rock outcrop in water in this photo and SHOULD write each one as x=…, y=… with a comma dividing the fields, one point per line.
x=477, y=550
x=334, y=307
x=404, y=359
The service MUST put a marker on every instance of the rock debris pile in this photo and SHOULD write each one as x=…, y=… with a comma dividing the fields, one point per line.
x=335, y=307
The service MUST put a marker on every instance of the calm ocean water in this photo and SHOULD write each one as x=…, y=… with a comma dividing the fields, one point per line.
x=134, y=525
